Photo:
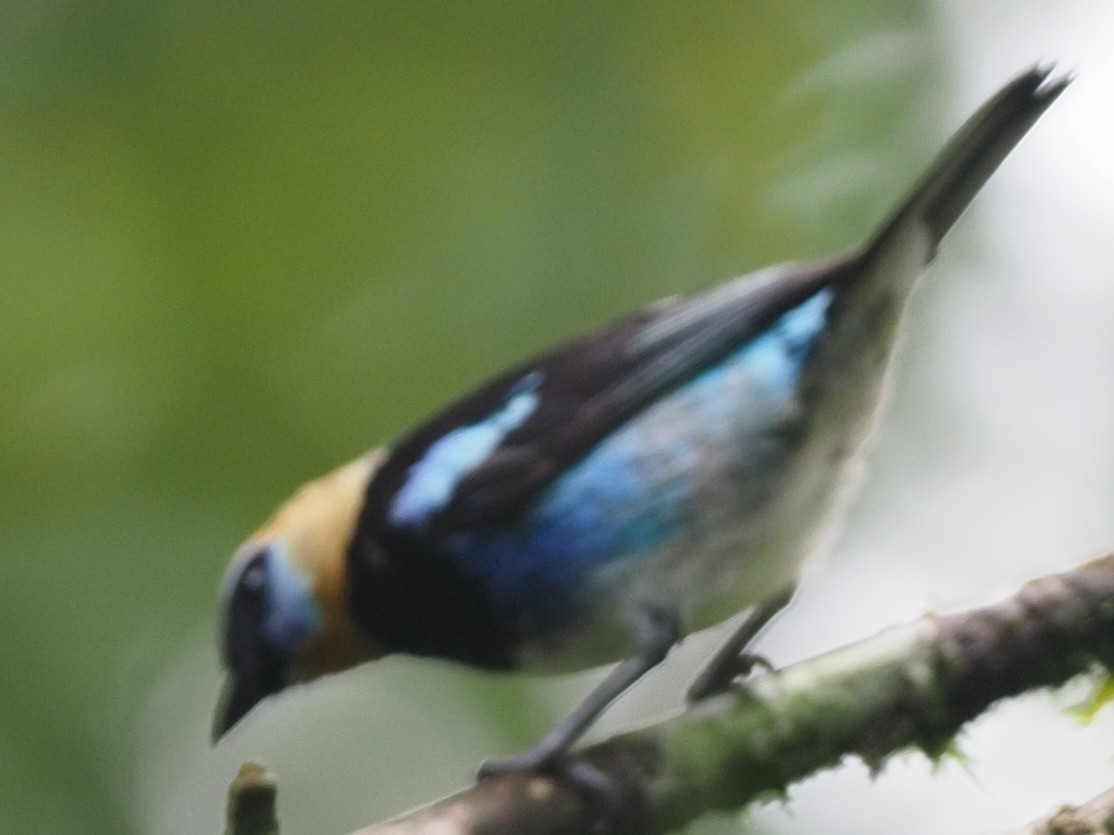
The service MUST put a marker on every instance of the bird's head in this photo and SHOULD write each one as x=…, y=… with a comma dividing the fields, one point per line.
x=285, y=597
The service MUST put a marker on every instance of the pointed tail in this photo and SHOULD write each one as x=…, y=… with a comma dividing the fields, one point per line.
x=972, y=155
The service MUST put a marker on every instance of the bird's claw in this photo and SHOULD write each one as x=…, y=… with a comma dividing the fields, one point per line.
x=727, y=676
x=528, y=760
x=592, y=782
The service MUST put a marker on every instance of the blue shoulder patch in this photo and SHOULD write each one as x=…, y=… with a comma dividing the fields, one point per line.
x=641, y=488
x=431, y=480
x=777, y=356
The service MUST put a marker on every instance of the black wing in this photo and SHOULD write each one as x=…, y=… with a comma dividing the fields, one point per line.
x=591, y=386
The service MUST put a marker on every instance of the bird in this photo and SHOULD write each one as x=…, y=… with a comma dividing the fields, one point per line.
x=598, y=502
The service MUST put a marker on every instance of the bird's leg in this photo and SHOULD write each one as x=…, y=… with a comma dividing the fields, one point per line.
x=731, y=660
x=655, y=632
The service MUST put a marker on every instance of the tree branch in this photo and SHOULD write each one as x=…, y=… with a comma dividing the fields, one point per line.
x=251, y=802
x=909, y=686
x=1095, y=817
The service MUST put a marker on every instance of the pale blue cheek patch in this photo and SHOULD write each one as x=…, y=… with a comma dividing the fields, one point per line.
x=293, y=615
x=776, y=358
x=431, y=481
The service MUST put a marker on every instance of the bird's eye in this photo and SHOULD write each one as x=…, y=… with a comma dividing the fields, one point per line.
x=254, y=577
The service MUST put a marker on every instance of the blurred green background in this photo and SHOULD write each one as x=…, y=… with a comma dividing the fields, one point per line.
x=241, y=243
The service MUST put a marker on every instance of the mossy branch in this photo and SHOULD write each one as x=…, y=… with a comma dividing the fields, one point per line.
x=911, y=686
x=1094, y=817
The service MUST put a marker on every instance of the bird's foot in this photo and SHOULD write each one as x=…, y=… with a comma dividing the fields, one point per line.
x=532, y=759
x=722, y=677
x=591, y=781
